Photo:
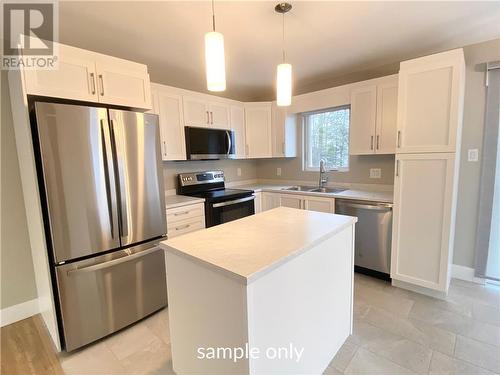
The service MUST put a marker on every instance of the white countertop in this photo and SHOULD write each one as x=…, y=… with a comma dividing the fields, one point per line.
x=172, y=201
x=248, y=248
x=358, y=194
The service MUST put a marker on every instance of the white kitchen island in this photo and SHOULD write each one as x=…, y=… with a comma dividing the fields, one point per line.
x=274, y=288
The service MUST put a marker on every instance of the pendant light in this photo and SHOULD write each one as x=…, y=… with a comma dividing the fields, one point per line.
x=283, y=70
x=214, y=58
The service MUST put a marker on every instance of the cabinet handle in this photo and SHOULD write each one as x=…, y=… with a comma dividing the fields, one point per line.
x=164, y=148
x=208, y=118
x=247, y=150
x=371, y=142
x=283, y=147
x=183, y=227
x=378, y=142
x=92, y=82
x=102, y=84
x=397, y=168
x=211, y=117
x=399, y=138
x=181, y=213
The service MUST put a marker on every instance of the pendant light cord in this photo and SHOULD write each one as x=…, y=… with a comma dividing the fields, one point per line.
x=213, y=15
x=283, y=41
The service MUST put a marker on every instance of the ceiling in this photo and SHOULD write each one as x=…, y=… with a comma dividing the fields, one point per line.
x=323, y=39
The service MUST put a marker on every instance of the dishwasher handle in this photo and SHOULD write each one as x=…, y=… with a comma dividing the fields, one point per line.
x=366, y=206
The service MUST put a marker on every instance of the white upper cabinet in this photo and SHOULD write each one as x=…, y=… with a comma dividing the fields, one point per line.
x=284, y=132
x=430, y=102
x=238, y=127
x=363, y=117
x=373, y=126
x=258, y=130
x=422, y=235
x=93, y=77
x=200, y=112
x=387, y=115
x=169, y=109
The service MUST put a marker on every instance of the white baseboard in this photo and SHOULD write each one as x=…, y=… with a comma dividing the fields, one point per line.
x=465, y=273
x=18, y=312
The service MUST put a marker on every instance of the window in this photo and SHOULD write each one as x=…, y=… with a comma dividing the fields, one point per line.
x=326, y=136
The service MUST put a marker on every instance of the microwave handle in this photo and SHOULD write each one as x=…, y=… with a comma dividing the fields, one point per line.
x=229, y=144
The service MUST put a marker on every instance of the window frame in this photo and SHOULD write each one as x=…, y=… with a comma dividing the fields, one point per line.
x=305, y=138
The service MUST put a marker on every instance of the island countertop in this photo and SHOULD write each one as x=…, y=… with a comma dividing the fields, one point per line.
x=249, y=248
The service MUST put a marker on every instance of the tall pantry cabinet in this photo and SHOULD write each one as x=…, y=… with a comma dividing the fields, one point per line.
x=429, y=126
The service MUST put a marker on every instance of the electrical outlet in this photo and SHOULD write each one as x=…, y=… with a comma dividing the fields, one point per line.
x=238, y=171
x=473, y=154
x=278, y=171
x=375, y=173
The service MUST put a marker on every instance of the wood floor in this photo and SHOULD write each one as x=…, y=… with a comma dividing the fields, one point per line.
x=27, y=349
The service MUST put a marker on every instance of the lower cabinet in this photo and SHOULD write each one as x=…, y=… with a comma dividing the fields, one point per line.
x=258, y=202
x=185, y=219
x=422, y=239
x=300, y=202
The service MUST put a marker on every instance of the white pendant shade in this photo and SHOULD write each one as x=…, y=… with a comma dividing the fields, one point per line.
x=284, y=85
x=215, y=61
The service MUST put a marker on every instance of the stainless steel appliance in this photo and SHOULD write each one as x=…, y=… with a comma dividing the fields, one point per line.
x=373, y=235
x=221, y=205
x=209, y=144
x=102, y=196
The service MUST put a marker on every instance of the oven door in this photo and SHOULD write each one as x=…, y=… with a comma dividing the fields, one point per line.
x=223, y=212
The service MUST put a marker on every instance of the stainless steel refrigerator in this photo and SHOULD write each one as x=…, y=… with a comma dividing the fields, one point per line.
x=101, y=187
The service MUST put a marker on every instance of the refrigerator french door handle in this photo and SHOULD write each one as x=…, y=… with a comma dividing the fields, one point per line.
x=105, y=155
x=120, y=176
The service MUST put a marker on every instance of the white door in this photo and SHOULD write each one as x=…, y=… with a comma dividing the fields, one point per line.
x=75, y=77
x=196, y=112
x=319, y=204
x=430, y=102
x=363, y=117
x=422, y=237
x=238, y=127
x=270, y=201
x=219, y=115
x=258, y=130
x=387, y=115
x=171, y=126
x=121, y=85
x=292, y=201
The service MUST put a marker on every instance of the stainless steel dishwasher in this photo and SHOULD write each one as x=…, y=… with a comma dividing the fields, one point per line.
x=372, y=245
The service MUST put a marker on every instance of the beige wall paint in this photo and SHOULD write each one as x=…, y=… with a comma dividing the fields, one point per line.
x=472, y=137
x=230, y=168
x=17, y=275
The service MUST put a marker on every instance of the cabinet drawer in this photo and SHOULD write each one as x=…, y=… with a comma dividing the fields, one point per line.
x=185, y=226
x=175, y=215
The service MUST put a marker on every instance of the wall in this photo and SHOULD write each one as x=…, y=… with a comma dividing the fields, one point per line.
x=472, y=137
x=17, y=277
x=230, y=168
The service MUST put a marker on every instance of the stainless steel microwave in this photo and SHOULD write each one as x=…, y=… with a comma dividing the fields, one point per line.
x=209, y=144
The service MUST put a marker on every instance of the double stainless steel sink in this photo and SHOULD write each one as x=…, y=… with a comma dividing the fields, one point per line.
x=314, y=189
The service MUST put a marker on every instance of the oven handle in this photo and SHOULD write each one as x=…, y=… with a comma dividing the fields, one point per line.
x=228, y=203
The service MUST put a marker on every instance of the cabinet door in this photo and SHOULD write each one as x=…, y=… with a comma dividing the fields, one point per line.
x=238, y=127
x=423, y=217
x=196, y=112
x=270, y=201
x=219, y=115
x=319, y=204
x=258, y=130
x=292, y=201
x=75, y=78
x=278, y=130
x=430, y=103
x=363, y=117
x=171, y=126
x=122, y=85
x=258, y=202
x=387, y=115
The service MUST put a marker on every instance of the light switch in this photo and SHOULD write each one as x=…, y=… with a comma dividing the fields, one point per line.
x=473, y=154
x=375, y=173
x=278, y=171
x=238, y=171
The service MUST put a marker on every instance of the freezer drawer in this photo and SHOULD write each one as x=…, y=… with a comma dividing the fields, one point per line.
x=101, y=295
x=372, y=246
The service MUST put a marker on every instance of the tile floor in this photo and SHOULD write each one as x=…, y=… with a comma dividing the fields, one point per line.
x=395, y=332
